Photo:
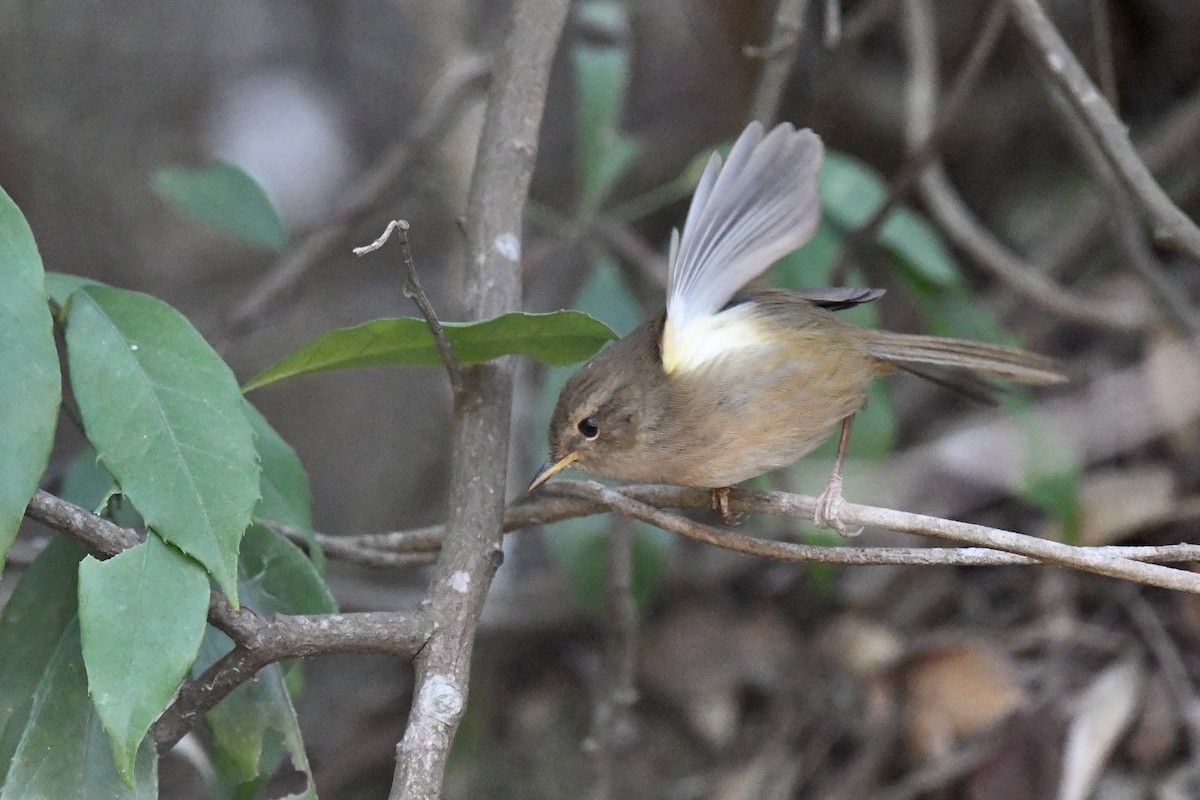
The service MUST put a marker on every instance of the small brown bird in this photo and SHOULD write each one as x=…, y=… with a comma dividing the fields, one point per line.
x=728, y=384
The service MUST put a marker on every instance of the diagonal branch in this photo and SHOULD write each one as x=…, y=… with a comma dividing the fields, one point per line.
x=1061, y=68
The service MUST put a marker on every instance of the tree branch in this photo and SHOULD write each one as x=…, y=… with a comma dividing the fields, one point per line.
x=479, y=435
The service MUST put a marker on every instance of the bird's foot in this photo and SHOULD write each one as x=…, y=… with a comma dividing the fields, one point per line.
x=720, y=504
x=829, y=510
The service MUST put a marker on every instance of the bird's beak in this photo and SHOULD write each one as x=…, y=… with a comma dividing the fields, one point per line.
x=549, y=468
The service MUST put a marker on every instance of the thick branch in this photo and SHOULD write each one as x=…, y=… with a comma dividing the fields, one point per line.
x=479, y=434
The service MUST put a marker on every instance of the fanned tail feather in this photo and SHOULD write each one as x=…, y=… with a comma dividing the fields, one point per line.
x=1009, y=363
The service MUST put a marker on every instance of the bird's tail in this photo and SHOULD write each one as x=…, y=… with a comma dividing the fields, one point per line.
x=996, y=360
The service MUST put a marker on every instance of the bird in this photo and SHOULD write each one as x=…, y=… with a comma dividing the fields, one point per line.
x=728, y=383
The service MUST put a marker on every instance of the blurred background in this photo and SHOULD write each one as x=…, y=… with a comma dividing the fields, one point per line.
x=752, y=679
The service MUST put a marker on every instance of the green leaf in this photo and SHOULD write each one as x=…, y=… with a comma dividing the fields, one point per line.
x=919, y=248
x=142, y=614
x=560, y=337
x=850, y=190
x=810, y=266
x=227, y=199
x=166, y=418
x=285, y=496
x=276, y=578
x=850, y=194
x=41, y=608
x=280, y=577
x=63, y=754
x=61, y=286
x=31, y=386
x=255, y=716
x=601, y=77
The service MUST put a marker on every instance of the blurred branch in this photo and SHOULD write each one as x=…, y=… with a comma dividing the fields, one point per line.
x=778, y=55
x=413, y=290
x=479, y=436
x=617, y=690
x=439, y=109
x=921, y=154
x=948, y=208
x=1061, y=68
x=1127, y=228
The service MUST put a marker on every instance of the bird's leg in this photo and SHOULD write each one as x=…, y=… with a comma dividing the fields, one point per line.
x=720, y=504
x=829, y=502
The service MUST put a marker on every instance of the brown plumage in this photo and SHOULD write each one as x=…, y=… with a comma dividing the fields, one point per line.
x=722, y=387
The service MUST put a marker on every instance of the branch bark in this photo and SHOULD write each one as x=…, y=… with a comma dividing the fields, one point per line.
x=479, y=437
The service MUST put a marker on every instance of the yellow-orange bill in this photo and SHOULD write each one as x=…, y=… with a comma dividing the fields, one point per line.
x=549, y=468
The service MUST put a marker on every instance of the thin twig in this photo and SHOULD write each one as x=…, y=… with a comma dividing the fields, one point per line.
x=413, y=290
x=778, y=56
x=960, y=224
x=556, y=503
x=1169, y=223
x=1102, y=50
x=833, y=23
x=869, y=516
x=441, y=106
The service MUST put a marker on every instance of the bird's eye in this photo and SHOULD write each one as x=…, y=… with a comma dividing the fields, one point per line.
x=587, y=426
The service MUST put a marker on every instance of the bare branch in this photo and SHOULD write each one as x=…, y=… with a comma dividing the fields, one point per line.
x=480, y=431
x=1043, y=550
x=413, y=290
x=1060, y=66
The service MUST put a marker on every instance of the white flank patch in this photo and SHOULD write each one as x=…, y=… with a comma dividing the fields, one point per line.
x=508, y=246
x=460, y=581
x=711, y=337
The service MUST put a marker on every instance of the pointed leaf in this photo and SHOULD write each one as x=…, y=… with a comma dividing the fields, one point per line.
x=560, y=337
x=280, y=577
x=63, y=754
x=41, y=608
x=165, y=416
x=30, y=389
x=142, y=614
x=286, y=498
x=227, y=199
x=60, y=286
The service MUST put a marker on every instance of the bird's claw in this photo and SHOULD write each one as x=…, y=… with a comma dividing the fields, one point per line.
x=720, y=504
x=829, y=509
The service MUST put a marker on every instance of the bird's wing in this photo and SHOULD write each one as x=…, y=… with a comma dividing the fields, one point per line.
x=745, y=215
